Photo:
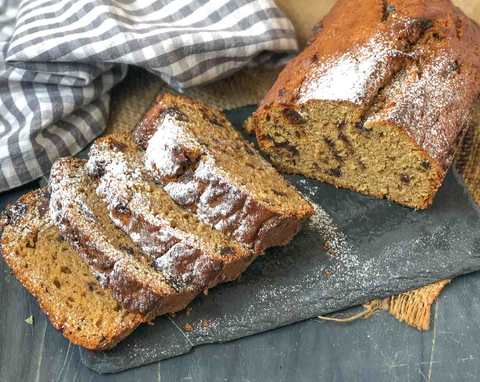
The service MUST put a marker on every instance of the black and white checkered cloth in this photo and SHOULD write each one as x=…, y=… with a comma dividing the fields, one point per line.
x=60, y=58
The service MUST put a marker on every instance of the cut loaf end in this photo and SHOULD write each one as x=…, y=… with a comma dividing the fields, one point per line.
x=59, y=279
x=331, y=143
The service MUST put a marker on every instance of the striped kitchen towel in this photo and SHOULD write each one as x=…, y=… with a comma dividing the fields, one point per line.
x=59, y=59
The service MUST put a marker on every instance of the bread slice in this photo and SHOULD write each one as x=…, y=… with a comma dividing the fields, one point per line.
x=379, y=101
x=205, y=165
x=155, y=256
x=56, y=276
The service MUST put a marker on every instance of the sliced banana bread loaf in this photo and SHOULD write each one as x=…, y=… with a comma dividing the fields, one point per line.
x=379, y=101
x=204, y=164
x=58, y=278
x=166, y=257
x=169, y=233
x=83, y=219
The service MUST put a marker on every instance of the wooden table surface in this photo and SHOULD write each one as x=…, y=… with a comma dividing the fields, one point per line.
x=380, y=348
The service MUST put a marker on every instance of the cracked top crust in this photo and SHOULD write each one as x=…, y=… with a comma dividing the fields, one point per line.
x=414, y=64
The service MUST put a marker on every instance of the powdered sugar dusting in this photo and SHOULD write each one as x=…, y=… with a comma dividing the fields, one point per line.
x=204, y=187
x=353, y=76
x=431, y=101
x=123, y=188
x=184, y=258
x=165, y=153
x=68, y=208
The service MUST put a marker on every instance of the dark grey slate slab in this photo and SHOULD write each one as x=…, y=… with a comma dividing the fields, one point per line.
x=377, y=349
x=355, y=249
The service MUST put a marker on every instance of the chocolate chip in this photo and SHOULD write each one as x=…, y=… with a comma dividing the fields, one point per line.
x=426, y=165
x=333, y=148
x=65, y=270
x=424, y=23
x=341, y=125
x=314, y=58
x=127, y=249
x=216, y=121
x=227, y=251
x=294, y=117
x=122, y=208
x=346, y=141
x=288, y=147
x=336, y=172
x=116, y=145
x=32, y=243
x=361, y=127
x=281, y=92
x=279, y=193
x=404, y=178
x=15, y=213
x=176, y=113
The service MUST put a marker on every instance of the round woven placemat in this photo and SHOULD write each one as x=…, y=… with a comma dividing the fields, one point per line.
x=132, y=97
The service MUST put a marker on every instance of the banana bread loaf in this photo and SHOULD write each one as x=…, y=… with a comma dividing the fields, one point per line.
x=58, y=278
x=205, y=165
x=116, y=261
x=140, y=207
x=156, y=261
x=379, y=100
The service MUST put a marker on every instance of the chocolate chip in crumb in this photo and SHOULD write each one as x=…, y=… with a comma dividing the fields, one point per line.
x=426, y=165
x=341, y=125
x=127, y=249
x=404, y=178
x=176, y=113
x=122, y=208
x=116, y=145
x=281, y=92
x=227, y=251
x=361, y=127
x=288, y=147
x=336, y=172
x=294, y=117
x=333, y=149
x=424, y=23
x=216, y=121
x=279, y=193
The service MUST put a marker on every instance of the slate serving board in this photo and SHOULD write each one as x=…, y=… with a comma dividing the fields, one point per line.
x=354, y=249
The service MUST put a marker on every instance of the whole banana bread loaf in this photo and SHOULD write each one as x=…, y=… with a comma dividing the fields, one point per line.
x=379, y=101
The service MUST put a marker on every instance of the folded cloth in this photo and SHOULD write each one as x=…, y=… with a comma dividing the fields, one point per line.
x=59, y=59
